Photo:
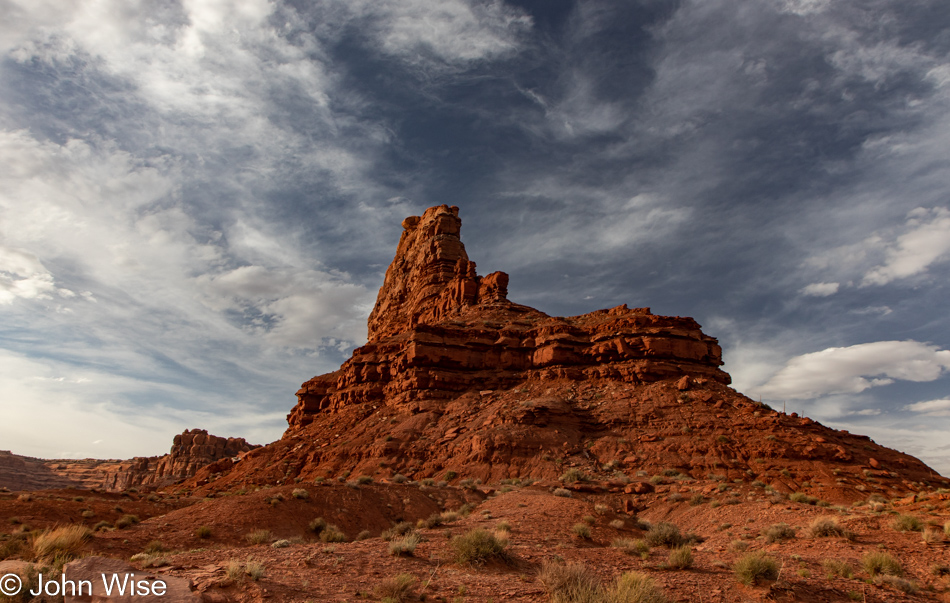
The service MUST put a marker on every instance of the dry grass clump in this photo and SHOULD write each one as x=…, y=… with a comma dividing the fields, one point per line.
x=234, y=569
x=778, y=531
x=396, y=589
x=574, y=475
x=331, y=533
x=575, y=583
x=680, y=558
x=155, y=546
x=931, y=536
x=581, y=530
x=801, y=497
x=478, y=547
x=834, y=567
x=881, y=564
x=62, y=543
x=562, y=492
x=400, y=529
x=752, y=568
x=665, y=534
x=635, y=587
x=826, y=527
x=571, y=583
x=907, y=523
x=300, y=493
x=946, y=528
x=203, y=532
x=637, y=547
x=433, y=521
x=404, y=546
x=898, y=583
x=149, y=559
x=254, y=569
x=259, y=537
x=126, y=521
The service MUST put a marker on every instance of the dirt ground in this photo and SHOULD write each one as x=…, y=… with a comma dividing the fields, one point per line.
x=726, y=520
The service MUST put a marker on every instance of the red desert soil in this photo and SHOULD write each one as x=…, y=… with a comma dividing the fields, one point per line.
x=567, y=437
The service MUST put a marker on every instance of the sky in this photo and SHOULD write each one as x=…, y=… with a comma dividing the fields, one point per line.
x=199, y=198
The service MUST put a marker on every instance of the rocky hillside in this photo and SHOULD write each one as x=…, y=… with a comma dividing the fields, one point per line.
x=458, y=383
x=190, y=451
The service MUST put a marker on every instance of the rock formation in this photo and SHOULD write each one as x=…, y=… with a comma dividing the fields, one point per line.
x=457, y=382
x=439, y=329
x=191, y=450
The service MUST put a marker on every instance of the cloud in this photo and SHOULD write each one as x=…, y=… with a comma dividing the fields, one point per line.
x=856, y=368
x=926, y=242
x=22, y=275
x=931, y=408
x=453, y=30
x=820, y=289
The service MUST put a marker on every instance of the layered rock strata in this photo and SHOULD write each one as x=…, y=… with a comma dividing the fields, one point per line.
x=439, y=329
x=456, y=383
x=191, y=450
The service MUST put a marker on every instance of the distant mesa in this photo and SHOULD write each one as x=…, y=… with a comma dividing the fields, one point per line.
x=191, y=450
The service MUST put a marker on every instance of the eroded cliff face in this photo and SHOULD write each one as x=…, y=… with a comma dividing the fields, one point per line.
x=191, y=450
x=439, y=329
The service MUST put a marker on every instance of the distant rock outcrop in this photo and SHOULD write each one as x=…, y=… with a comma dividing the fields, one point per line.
x=456, y=382
x=192, y=450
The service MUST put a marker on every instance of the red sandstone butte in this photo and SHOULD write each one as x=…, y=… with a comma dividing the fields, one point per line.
x=458, y=382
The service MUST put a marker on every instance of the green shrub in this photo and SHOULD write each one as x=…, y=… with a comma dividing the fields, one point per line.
x=665, y=534
x=155, y=546
x=680, y=558
x=317, y=525
x=331, y=533
x=834, y=567
x=881, y=563
x=753, y=567
x=364, y=479
x=300, y=493
x=828, y=527
x=126, y=521
x=778, y=531
x=404, y=546
x=479, y=546
x=203, y=532
x=581, y=530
